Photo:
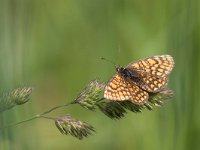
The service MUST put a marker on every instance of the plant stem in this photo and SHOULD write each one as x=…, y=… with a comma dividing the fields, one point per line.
x=46, y=117
x=26, y=120
x=38, y=116
x=56, y=107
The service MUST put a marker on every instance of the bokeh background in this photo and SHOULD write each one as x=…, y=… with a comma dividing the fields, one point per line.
x=56, y=47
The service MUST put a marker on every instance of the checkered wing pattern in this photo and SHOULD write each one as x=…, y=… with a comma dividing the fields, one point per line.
x=153, y=84
x=158, y=66
x=153, y=71
x=119, y=89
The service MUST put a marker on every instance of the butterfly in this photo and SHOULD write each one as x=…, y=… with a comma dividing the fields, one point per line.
x=135, y=81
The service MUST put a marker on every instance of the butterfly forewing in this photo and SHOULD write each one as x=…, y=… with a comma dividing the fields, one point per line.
x=153, y=71
x=158, y=66
x=120, y=89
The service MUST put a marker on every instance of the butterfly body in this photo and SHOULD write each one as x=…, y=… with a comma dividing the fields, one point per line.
x=137, y=79
x=128, y=74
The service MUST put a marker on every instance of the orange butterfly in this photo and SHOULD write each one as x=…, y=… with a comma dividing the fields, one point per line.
x=137, y=79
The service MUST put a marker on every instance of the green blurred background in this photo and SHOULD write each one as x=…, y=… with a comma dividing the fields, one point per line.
x=56, y=47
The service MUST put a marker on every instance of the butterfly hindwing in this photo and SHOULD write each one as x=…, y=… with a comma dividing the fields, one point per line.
x=120, y=89
x=153, y=84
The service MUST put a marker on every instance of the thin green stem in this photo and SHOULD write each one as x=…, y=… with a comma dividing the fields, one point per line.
x=38, y=116
x=56, y=107
x=46, y=117
x=23, y=121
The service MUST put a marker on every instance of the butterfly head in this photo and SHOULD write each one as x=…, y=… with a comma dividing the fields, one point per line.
x=119, y=68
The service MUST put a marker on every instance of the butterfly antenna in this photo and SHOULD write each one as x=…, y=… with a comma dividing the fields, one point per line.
x=108, y=61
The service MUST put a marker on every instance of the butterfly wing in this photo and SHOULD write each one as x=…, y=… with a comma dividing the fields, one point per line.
x=153, y=84
x=119, y=89
x=153, y=71
x=159, y=66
